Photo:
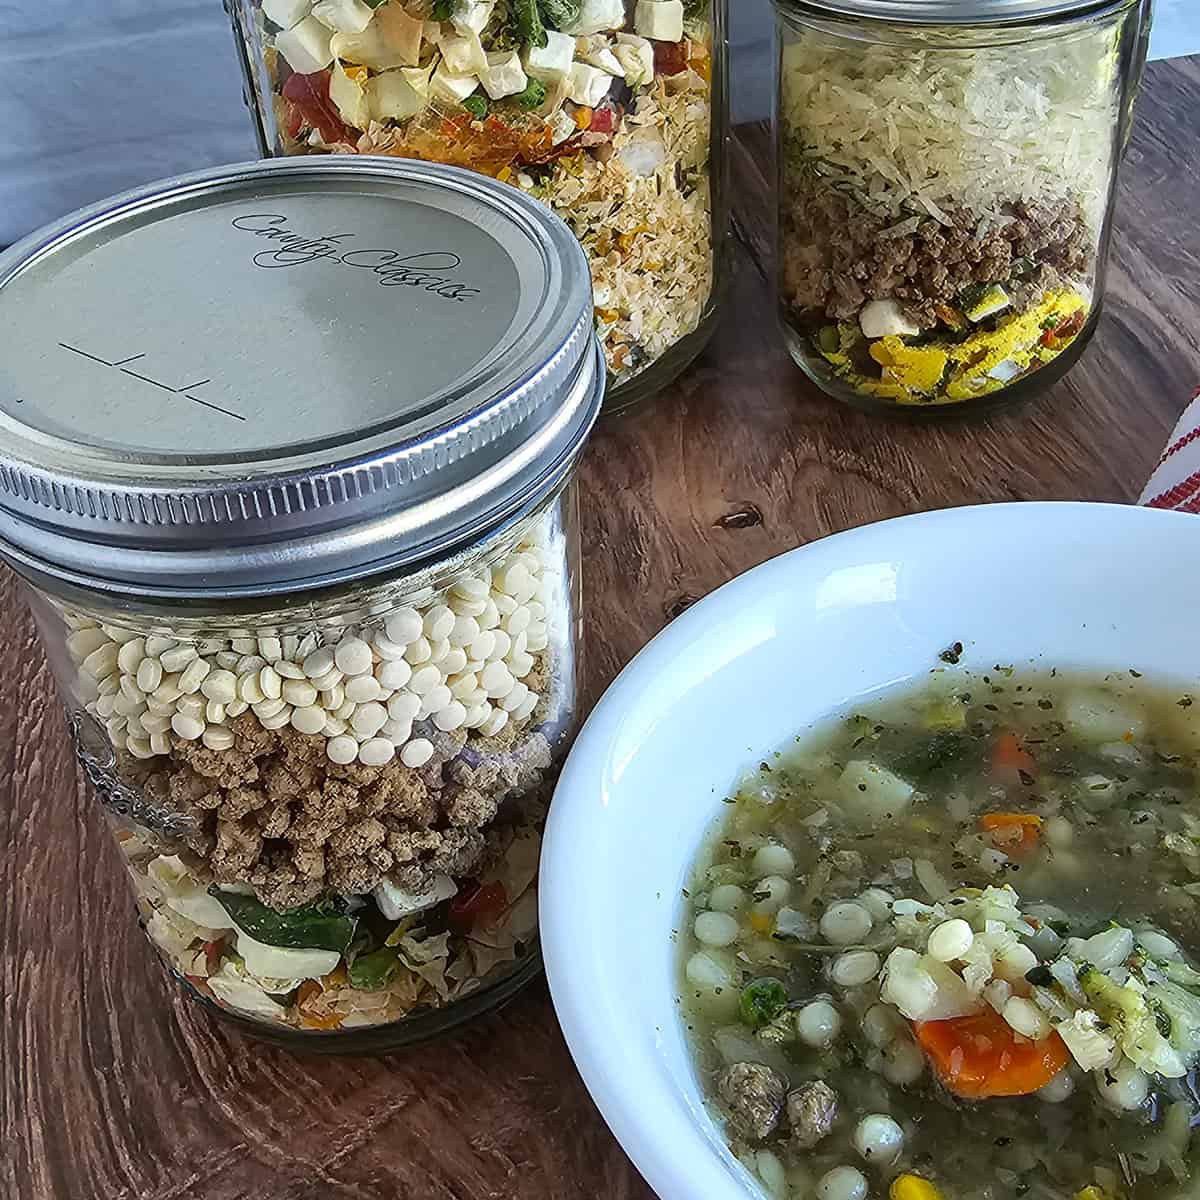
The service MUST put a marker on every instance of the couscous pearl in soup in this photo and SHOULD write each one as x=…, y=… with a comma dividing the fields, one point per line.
x=842, y=1183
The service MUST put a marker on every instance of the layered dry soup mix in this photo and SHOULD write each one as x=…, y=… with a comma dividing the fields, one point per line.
x=336, y=823
x=598, y=108
x=941, y=209
x=944, y=949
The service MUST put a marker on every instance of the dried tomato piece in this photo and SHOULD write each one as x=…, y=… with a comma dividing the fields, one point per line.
x=604, y=120
x=309, y=95
x=477, y=905
x=670, y=57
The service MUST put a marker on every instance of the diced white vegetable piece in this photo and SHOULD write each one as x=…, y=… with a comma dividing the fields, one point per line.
x=392, y=40
x=453, y=89
x=403, y=33
x=197, y=905
x=171, y=874
x=587, y=85
x=1051, y=1003
x=350, y=99
x=1089, y=1045
x=595, y=16
x=1101, y=717
x=1026, y=1018
x=636, y=55
x=1006, y=370
x=1103, y=950
x=1014, y=962
x=396, y=904
x=286, y=13
x=244, y=995
x=771, y=1171
x=550, y=62
x=735, y=1043
x=1158, y=945
x=419, y=79
x=284, y=962
x=1123, y=1087
x=712, y=981
x=464, y=55
x=999, y=903
x=392, y=95
x=792, y=923
x=471, y=16
x=659, y=20
x=1067, y=977
x=306, y=46
x=885, y=318
x=872, y=792
x=561, y=128
x=997, y=994
x=604, y=58
x=924, y=989
x=504, y=75
x=343, y=16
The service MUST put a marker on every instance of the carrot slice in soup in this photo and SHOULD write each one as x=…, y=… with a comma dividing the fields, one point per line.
x=1014, y=833
x=1009, y=754
x=980, y=1056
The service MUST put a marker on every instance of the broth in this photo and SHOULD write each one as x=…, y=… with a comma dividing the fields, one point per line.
x=940, y=948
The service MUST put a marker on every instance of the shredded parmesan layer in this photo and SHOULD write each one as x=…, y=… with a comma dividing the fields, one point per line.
x=910, y=131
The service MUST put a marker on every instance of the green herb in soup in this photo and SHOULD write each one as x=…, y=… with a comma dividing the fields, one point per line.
x=941, y=950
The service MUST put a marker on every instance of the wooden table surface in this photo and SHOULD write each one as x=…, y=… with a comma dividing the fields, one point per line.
x=112, y=1087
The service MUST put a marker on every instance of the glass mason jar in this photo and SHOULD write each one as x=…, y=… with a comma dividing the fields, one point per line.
x=946, y=176
x=613, y=114
x=315, y=626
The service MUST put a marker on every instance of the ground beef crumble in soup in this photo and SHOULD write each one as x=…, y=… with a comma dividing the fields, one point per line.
x=944, y=947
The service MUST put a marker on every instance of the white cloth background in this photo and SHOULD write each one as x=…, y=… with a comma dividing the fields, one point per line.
x=99, y=95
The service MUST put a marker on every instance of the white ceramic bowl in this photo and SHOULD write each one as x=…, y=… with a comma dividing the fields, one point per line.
x=796, y=640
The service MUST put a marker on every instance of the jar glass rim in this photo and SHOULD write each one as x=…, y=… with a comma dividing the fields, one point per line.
x=955, y=12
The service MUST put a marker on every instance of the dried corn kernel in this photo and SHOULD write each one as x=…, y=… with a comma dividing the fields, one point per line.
x=761, y=922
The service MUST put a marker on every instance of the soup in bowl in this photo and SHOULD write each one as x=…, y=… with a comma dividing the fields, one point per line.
x=873, y=874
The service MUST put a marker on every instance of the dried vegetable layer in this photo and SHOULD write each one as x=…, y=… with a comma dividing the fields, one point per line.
x=600, y=110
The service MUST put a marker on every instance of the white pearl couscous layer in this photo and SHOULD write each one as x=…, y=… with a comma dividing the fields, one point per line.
x=461, y=660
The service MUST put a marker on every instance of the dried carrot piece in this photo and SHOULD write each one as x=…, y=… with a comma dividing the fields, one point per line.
x=1012, y=832
x=980, y=1056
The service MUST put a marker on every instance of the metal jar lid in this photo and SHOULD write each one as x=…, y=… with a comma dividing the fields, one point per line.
x=956, y=12
x=270, y=376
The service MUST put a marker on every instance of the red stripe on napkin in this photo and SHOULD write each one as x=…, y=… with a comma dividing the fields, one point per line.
x=1175, y=481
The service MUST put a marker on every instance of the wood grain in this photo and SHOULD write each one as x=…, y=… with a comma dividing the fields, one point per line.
x=112, y=1086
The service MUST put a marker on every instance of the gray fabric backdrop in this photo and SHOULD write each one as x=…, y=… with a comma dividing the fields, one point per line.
x=99, y=95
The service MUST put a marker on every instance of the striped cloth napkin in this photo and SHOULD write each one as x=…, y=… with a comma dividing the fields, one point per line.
x=1176, y=480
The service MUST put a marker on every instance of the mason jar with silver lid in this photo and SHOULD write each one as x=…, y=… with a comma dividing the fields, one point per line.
x=286, y=453
x=947, y=172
